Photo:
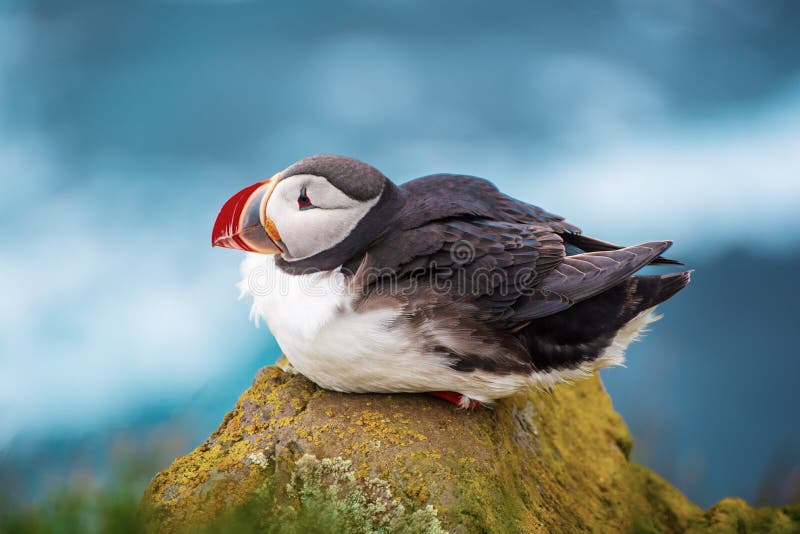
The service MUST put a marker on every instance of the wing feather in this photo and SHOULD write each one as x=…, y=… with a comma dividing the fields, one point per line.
x=582, y=276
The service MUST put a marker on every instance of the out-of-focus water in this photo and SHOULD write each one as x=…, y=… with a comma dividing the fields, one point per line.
x=124, y=127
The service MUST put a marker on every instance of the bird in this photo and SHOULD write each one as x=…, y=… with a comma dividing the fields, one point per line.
x=442, y=284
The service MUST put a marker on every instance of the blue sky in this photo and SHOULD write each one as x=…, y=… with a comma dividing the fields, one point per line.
x=123, y=129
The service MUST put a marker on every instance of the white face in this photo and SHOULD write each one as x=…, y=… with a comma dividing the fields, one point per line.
x=304, y=230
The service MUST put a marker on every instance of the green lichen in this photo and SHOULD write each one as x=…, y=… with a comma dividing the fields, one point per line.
x=329, y=491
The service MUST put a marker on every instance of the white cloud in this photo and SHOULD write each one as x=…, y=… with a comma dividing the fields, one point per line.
x=105, y=310
x=591, y=99
x=735, y=181
x=361, y=81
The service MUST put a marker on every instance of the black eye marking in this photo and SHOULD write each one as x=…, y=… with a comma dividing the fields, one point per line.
x=303, y=202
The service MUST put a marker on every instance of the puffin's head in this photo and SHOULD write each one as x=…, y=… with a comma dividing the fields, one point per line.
x=317, y=205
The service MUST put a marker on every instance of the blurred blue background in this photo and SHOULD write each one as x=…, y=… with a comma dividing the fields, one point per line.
x=123, y=128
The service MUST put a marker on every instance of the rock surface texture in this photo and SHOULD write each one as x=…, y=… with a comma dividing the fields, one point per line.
x=553, y=461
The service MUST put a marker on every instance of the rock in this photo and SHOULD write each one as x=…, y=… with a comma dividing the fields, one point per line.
x=541, y=462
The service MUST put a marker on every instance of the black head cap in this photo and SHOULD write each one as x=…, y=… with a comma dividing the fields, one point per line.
x=361, y=182
x=356, y=179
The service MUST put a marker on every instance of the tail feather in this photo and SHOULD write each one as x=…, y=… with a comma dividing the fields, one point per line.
x=653, y=290
x=581, y=334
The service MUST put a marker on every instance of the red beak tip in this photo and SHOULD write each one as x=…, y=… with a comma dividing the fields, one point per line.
x=228, y=231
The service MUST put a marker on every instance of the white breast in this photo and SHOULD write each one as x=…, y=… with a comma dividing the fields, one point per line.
x=313, y=320
x=338, y=347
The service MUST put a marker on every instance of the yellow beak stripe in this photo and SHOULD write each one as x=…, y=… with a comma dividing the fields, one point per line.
x=272, y=230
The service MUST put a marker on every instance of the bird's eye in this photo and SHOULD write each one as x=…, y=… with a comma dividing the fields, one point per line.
x=303, y=202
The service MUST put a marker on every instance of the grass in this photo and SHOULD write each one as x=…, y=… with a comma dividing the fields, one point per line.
x=79, y=508
x=324, y=498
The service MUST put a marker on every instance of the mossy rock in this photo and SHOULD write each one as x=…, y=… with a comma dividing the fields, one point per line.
x=545, y=461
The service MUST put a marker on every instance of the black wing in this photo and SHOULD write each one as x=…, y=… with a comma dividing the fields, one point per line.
x=442, y=196
x=582, y=276
x=512, y=272
x=470, y=260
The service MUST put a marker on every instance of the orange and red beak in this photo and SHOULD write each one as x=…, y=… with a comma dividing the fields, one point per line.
x=242, y=222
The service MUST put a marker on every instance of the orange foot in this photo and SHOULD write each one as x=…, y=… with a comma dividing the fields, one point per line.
x=455, y=398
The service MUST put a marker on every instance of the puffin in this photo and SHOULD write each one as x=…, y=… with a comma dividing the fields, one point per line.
x=442, y=284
